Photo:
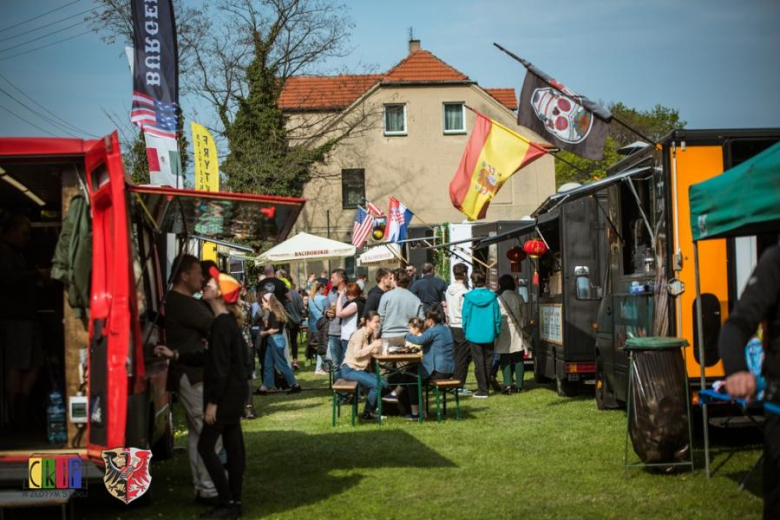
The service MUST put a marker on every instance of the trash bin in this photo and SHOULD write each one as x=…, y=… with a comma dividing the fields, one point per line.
x=658, y=403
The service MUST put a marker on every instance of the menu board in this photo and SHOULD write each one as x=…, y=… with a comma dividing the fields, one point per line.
x=551, y=323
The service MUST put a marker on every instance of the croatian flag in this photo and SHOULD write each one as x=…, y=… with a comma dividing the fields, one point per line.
x=364, y=223
x=400, y=216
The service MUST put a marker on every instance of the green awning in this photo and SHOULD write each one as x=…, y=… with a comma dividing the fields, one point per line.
x=744, y=200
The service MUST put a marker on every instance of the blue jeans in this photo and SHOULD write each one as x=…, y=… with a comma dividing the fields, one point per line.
x=337, y=350
x=366, y=379
x=274, y=356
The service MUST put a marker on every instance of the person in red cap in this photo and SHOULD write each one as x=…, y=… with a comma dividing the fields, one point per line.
x=224, y=392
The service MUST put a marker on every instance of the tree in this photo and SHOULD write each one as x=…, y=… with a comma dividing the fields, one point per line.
x=654, y=123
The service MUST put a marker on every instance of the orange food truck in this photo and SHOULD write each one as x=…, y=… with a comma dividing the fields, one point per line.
x=113, y=387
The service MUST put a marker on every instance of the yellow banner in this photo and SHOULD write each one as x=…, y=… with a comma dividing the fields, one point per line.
x=206, y=160
x=206, y=173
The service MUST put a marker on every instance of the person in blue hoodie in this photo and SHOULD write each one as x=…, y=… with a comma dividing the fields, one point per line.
x=481, y=326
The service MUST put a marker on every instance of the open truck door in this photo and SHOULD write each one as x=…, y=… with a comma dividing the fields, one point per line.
x=112, y=323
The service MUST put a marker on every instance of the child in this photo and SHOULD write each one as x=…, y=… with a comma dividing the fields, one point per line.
x=416, y=327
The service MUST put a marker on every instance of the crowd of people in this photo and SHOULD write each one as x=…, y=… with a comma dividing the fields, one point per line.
x=217, y=330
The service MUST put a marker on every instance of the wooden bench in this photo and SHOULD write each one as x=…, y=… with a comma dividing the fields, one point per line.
x=340, y=387
x=17, y=499
x=442, y=387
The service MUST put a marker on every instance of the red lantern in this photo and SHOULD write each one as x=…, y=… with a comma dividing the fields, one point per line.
x=515, y=254
x=535, y=247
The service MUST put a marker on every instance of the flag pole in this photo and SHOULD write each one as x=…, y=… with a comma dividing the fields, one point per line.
x=528, y=66
x=551, y=151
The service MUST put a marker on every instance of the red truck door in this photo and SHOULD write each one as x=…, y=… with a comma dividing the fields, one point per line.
x=112, y=308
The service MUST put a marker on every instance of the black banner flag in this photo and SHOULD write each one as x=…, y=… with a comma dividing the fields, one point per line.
x=155, y=71
x=568, y=120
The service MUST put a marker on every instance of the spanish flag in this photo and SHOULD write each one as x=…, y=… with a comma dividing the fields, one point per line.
x=493, y=154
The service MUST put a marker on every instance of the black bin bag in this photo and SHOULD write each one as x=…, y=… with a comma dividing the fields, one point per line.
x=658, y=424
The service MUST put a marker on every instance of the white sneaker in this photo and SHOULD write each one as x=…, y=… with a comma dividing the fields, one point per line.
x=320, y=373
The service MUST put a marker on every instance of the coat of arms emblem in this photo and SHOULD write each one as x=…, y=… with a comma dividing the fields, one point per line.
x=127, y=472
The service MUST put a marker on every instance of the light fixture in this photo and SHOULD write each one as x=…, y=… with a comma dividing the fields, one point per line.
x=21, y=187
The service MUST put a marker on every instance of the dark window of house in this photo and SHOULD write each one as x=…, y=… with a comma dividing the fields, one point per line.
x=353, y=187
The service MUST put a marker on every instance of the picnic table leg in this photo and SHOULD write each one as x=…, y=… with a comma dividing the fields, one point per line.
x=379, y=393
x=419, y=395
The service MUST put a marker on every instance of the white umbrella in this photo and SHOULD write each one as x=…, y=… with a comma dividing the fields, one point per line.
x=304, y=246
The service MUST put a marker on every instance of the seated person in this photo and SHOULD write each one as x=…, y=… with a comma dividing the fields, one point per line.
x=416, y=327
x=437, y=361
x=362, y=345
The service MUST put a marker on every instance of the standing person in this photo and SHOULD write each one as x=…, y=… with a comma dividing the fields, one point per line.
x=246, y=332
x=270, y=283
x=224, y=389
x=461, y=346
x=361, y=281
x=384, y=282
x=295, y=310
x=481, y=326
x=20, y=330
x=412, y=272
x=431, y=290
x=361, y=346
x=187, y=324
x=437, y=361
x=396, y=308
x=318, y=302
x=275, y=326
x=338, y=282
x=759, y=303
x=349, y=310
x=510, y=345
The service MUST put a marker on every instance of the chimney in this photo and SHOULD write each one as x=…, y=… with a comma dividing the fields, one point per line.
x=414, y=46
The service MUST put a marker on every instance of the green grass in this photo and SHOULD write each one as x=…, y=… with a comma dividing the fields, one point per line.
x=532, y=455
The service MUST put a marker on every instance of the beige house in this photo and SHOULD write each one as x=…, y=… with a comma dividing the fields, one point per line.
x=408, y=129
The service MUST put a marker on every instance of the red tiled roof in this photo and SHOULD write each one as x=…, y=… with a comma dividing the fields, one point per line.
x=505, y=96
x=338, y=92
x=421, y=65
x=324, y=92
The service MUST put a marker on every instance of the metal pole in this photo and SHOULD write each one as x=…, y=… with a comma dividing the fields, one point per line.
x=700, y=339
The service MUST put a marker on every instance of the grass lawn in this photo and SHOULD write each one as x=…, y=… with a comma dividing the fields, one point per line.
x=532, y=455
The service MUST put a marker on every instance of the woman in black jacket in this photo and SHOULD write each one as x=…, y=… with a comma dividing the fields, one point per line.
x=225, y=388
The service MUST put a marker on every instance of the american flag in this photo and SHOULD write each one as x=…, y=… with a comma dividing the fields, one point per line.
x=364, y=223
x=154, y=117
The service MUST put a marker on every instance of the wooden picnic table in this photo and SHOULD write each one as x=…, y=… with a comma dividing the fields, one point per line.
x=397, y=364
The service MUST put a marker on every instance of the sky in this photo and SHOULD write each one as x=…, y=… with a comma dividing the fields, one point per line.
x=716, y=61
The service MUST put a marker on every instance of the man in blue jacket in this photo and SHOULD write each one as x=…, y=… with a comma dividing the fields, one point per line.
x=437, y=361
x=481, y=326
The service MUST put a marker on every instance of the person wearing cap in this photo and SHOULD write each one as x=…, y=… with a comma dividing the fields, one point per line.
x=225, y=387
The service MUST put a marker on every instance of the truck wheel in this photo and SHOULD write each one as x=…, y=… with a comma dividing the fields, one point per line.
x=539, y=376
x=163, y=448
x=566, y=388
x=605, y=399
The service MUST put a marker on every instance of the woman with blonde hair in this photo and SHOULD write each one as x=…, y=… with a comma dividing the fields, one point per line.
x=318, y=303
x=277, y=320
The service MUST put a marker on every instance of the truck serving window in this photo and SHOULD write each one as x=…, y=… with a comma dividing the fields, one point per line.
x=638, y=256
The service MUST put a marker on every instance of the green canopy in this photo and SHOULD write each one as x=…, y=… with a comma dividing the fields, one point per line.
x=744, y=200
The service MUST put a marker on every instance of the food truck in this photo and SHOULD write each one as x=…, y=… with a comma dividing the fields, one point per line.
x=113, y=388
x=647, y=286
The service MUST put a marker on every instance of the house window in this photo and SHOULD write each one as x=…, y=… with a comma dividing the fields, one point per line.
x=454, y=118
x=395, y=119
x=353, y=187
